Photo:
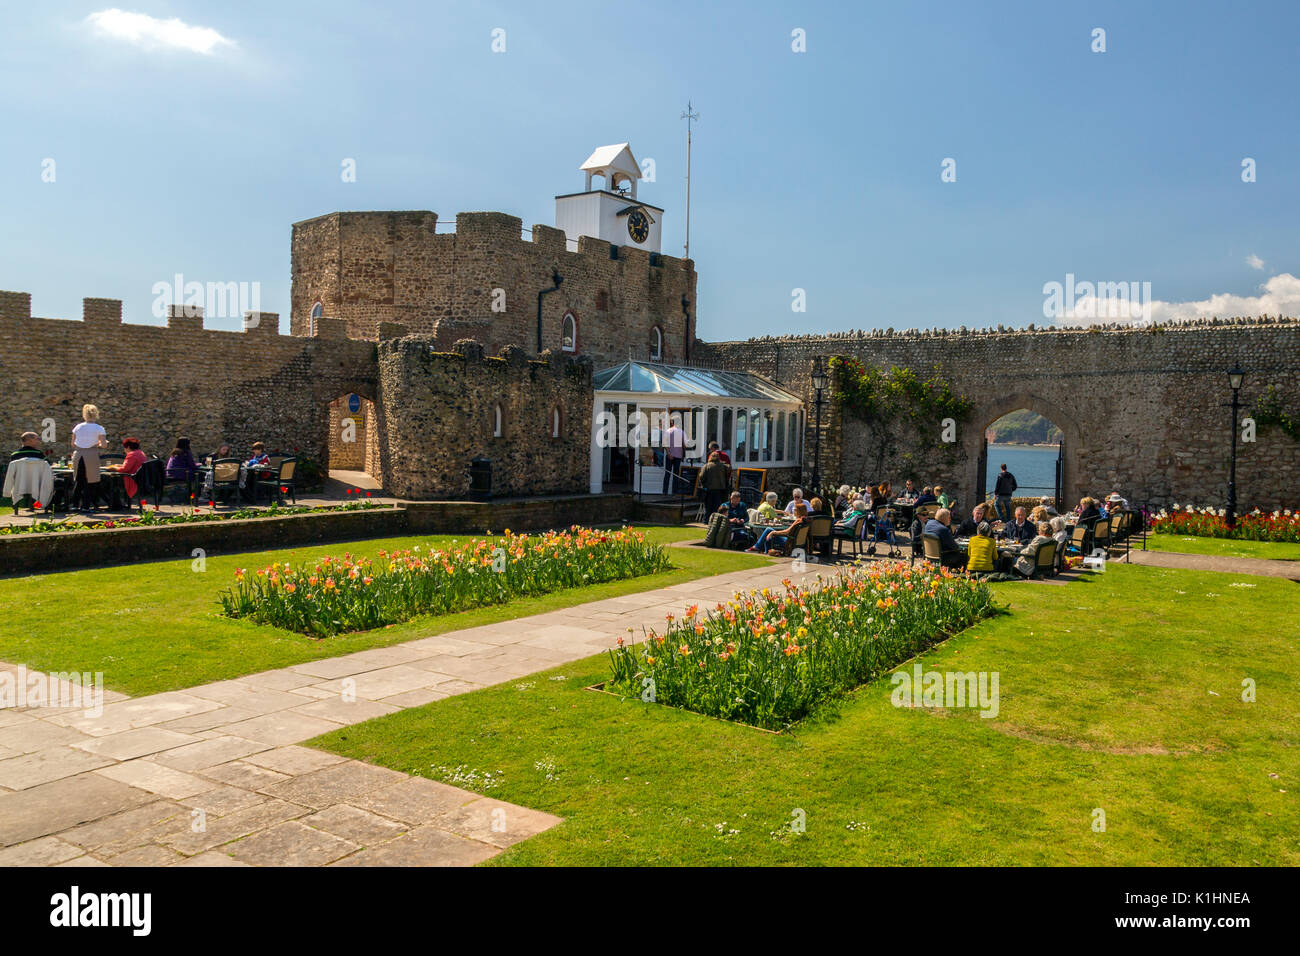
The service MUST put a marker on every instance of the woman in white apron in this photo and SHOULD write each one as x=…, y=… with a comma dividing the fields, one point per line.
x=87, y=439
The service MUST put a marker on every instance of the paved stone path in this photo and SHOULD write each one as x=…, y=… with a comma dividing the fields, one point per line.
x=212, y=776
x=1267, y=567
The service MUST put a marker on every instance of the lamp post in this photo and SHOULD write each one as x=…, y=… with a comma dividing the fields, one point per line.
x=819, y=382
x=1235, y=377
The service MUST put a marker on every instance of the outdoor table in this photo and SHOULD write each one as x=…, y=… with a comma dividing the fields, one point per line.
x=906, y=509
x=761, y=526
x=109, y=479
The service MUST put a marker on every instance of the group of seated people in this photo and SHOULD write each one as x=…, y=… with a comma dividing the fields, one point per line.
x=88, y=440
x=1024, y=536
x=870, y=515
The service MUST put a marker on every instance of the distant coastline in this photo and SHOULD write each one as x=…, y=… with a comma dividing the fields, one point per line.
x=1021, y=444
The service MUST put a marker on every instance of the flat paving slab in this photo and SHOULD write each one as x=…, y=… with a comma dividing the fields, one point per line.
x=215, y=775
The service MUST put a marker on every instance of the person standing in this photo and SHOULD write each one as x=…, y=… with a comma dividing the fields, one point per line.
x=88, y=437
x=1004, y=488
x=674, y=441
x=715, y=477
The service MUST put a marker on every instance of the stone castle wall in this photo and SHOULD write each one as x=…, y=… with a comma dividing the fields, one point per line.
x=370, y=268
x=1140, y=408
x=438, y=412
x=160, y=383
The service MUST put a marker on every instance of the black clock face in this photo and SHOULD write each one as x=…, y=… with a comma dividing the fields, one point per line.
x=638, y=226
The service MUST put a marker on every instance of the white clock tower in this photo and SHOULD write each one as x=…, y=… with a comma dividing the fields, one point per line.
x=611, y=212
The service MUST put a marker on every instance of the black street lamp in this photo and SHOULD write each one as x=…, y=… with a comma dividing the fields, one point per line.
x=819, y=382
x=1235, y=377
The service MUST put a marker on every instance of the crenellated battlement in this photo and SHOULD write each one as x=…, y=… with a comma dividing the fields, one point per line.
x=478, y=276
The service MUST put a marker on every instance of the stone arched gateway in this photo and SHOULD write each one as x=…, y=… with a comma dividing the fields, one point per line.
x=1142, y=408
x=989, y=411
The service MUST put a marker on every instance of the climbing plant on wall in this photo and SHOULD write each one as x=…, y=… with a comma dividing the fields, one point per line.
x=905, y=413
x=1268, y=410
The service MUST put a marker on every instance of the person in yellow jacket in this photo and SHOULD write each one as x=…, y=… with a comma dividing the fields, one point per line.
x=982, y=551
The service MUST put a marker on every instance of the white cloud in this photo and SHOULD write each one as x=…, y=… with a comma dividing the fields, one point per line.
x=1280, y=295
x=1254, y=261
x=150, y=32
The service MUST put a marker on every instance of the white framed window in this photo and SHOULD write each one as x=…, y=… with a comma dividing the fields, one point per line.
x=555, y=422
x=496, y=422
x=569, y=333
x=313, y=322
x=656, y=343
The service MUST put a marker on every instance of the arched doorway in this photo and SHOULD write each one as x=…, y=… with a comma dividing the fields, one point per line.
x=353, y=450
x=1037, y=441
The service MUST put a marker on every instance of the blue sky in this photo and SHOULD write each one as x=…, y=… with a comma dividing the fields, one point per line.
x=817, y=170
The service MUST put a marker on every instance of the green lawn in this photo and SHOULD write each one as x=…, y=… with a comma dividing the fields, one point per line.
x=1224, y=547
x=158, y=626
x=1120, y=691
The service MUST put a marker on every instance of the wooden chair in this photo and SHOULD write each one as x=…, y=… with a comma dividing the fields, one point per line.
x=225, y=478
x=1100, y=534
x=819, y=533
x=933, y=548
x=1045, y=560
x=852, y=533
x=1078, y=540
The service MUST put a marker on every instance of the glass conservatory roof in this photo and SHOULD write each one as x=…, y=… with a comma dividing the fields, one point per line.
x=653, y=379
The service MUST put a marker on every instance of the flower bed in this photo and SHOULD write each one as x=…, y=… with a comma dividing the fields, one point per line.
x=152, y=518
x=1209, y=523
x=768, y=659
x=356, y=594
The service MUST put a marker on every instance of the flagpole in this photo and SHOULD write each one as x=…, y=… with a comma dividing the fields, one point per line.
x=690, y=117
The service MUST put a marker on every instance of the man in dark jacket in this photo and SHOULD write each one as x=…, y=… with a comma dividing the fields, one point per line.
x=970, y=527
x=951, y=556
x=1003, y=490
x=1021, y=530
